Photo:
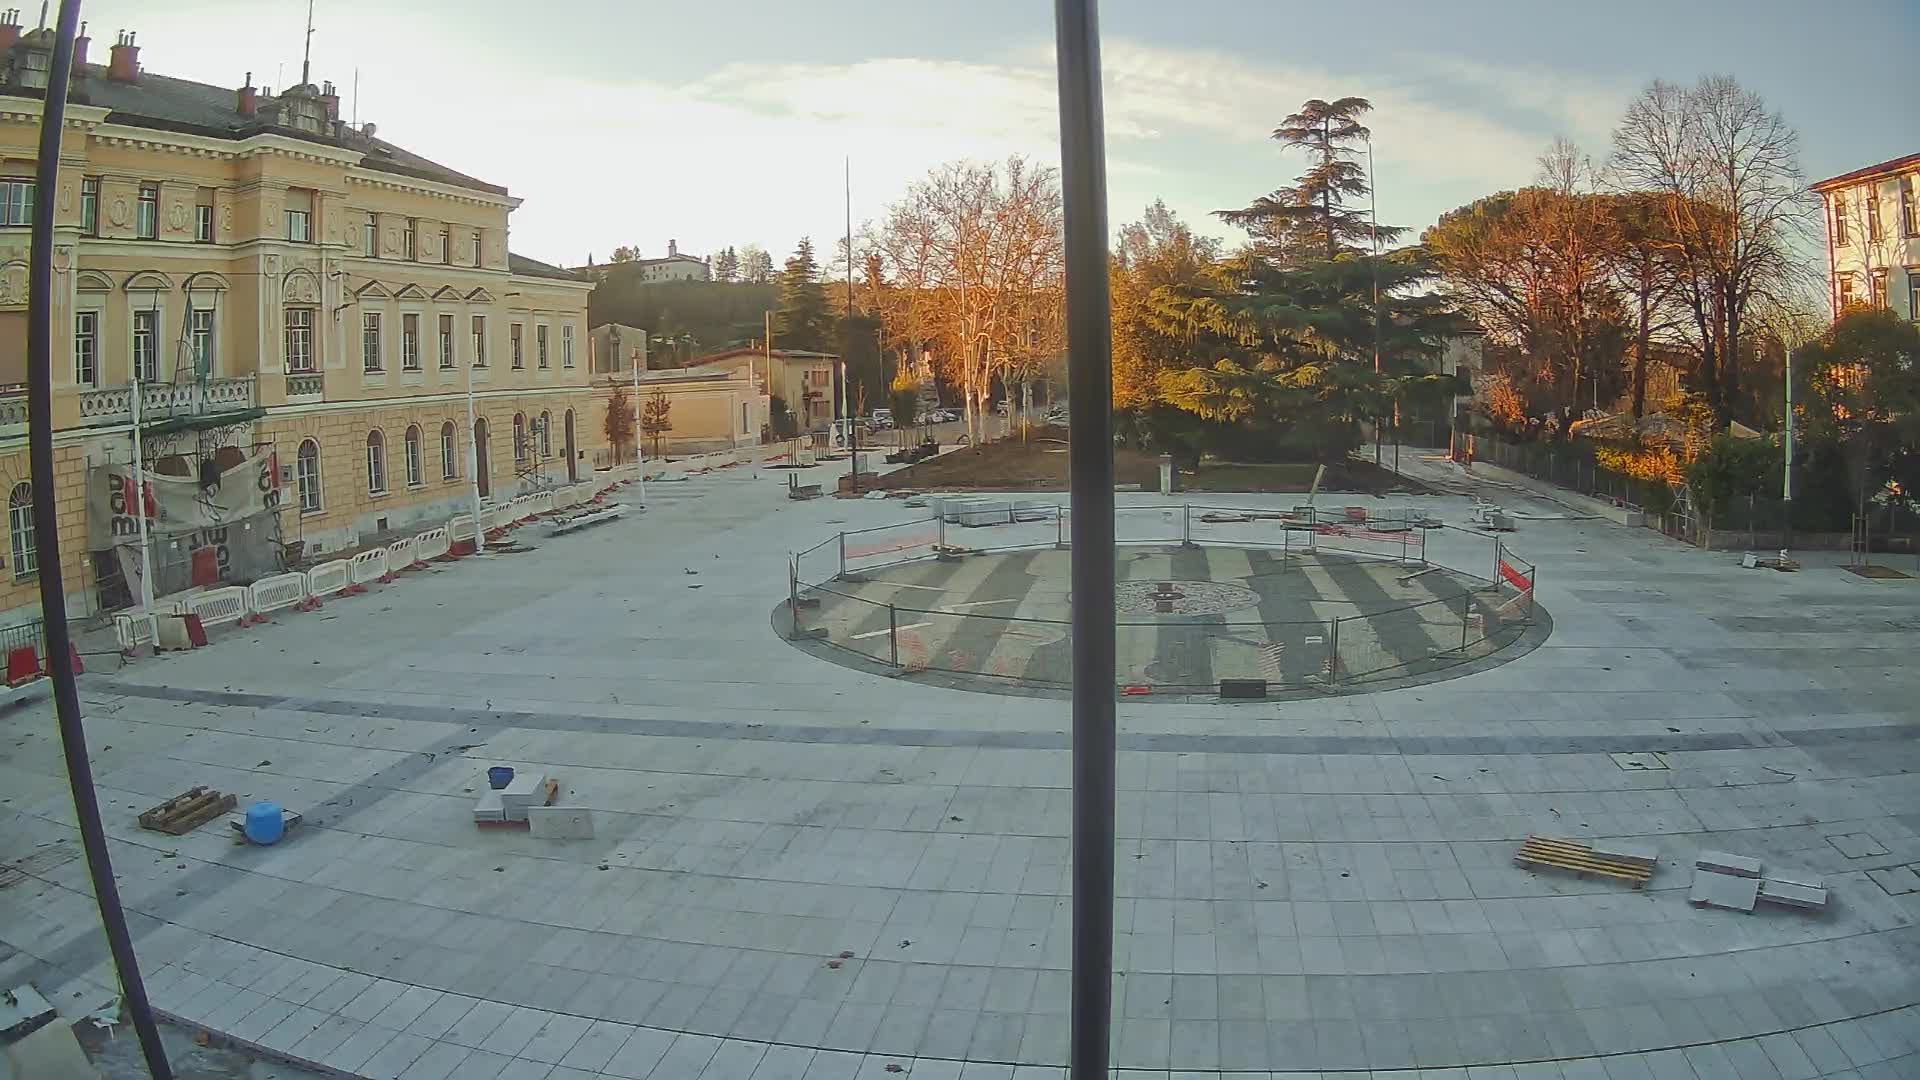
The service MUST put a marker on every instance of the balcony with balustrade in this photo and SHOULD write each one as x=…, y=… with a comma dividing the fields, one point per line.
x=305, y=387
x=165, y=401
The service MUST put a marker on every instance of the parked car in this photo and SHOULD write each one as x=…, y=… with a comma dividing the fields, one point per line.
x=881, y=420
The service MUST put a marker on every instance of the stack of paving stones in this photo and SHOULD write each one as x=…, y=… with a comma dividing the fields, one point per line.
x=1734, y=882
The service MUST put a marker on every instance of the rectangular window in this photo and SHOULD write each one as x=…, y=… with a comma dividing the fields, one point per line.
x=409, y=343
x=513, y=340
x=448, y=469
x=370, y=358
x=146, y=221
x=1878, y=282
x=299, y=223
x=376, y=465
x=300, y=339
x=203, y=224
x=1873, y=212
x=90, y=206
x=16, y=201
x=446, y=241
x=146, y=344
x=1839, y=219
x=446, y=342
x=1846, y=291
x=307, y=479
x=86, y=348
x=413, y=451
x=540, y=345
x=370, y=236
x=479, y=341
x=566, y=346
x=1913, y=293
x=406, y=238
x=200, y=330
x=476, y=247
x=1909, y=212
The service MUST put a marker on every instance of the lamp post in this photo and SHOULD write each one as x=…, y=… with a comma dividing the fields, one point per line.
x=473, y=467
x=639, y=436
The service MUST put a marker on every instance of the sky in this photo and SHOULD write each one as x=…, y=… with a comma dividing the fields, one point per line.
x=730, y=122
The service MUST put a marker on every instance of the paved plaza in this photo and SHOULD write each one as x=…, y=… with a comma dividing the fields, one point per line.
x=804, y=871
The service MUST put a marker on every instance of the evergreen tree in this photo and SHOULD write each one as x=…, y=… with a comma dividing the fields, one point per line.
x=802, y=320
x=1311, y=220
x=726, y=265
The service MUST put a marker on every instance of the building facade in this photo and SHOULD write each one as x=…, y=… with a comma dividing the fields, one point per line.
x=674, y=267
x=802, y=380
x=288, y=289
x=1873, y=236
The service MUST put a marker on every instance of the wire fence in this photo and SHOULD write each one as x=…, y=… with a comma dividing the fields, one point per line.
x=1351, y=639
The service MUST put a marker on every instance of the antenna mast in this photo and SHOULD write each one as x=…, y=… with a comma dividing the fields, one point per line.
x=306, y=56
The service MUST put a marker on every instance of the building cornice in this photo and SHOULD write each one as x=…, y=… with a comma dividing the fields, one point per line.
x=374, y=178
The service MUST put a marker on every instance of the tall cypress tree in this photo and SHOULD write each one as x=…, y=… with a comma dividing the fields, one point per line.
x=802, y=320
x=1311, y=219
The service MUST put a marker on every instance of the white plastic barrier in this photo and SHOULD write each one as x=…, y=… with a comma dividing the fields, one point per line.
x=460, y=528
x=276, y=592
x=216, y=606
x=432, y=544
x=133, y=629
x=400, y=554
x=370, y=566
x=498, y=517
x=329, y=578
x=564, y=498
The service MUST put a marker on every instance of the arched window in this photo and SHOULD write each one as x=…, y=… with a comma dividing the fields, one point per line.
x=306, y=476
x=376, y=462
x=416, y=457
x=546, y=433
x=519, y=438
x=449, y=447
x=26, y=558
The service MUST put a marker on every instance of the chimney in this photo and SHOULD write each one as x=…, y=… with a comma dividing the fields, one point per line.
x=123, y=64
x=331, y=100
x=673, y=248
x=247, y=103
x=80, y=49
x=9, y=28
x=369, y=129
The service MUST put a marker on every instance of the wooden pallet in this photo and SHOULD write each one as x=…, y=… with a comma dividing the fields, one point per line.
x=1546, y=852
x=184, y=813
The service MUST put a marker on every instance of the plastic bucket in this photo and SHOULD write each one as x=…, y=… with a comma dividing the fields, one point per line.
x=264, y=824
x=499, y=776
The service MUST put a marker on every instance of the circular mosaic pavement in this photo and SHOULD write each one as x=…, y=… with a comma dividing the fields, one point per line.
x=1181, y=597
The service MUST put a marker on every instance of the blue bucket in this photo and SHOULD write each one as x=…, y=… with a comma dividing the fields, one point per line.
x=264, y=824
x=499, y=776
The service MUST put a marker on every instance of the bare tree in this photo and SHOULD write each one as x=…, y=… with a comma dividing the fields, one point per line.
x=975, y=256
x=1866, y=234
x=1737, y=202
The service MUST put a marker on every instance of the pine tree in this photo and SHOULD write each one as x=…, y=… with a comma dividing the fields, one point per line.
x=1311, y=220
x=803, y=320
x=726, y=265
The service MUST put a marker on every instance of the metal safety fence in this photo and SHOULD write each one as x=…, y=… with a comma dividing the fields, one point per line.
x=1438, y=616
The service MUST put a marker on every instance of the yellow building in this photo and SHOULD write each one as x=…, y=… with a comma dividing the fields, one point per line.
x=295, y=291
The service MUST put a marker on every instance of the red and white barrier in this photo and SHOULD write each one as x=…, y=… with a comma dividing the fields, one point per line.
x=369, y=566
x=215, y=607
x=328, y=579
x=274, y=593
x=133, y=629
x=399, y=557
x=433, y=544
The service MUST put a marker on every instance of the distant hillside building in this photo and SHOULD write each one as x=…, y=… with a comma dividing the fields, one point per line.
x=674, y=267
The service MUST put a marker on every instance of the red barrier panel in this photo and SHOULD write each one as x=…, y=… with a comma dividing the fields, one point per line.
x=1514, y=577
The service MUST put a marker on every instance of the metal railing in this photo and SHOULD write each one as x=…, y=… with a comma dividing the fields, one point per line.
x=1464, y=616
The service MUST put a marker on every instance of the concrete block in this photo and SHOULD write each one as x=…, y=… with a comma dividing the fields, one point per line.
x=1722, y=863
x=1711, y=889
x=1793, y=894
x=1639, y=854
x=488, y=807
x=560, y=822
x=527, y=789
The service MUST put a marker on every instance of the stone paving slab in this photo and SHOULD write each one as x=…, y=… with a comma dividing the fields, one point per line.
x=1318, y=885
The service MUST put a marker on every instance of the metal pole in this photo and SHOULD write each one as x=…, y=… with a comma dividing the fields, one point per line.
x=1466, y=609
x=140, y=514
x=46, y=533
x=1373, y=241
x=1786, y=472
x=893, y=636
x=846, y=388
x=473, y=468
x=1333, y=652
x=1090, y=459
x=639, y=438
x=1186, y=525
x=843, y=555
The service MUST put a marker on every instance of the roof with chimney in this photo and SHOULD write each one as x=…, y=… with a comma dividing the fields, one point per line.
x=525, y=267
x=140, y=98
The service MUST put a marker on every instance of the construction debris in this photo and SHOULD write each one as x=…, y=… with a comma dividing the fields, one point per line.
x=1732, y=865
x=184, y=813
x=1734, y=882
x=1714, y=889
